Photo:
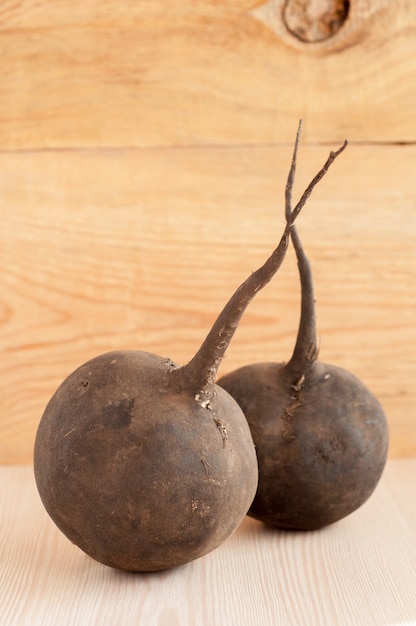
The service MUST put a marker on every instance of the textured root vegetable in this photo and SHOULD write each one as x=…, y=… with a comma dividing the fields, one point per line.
x=146, y=465
x=321, y=436
x=134, y=468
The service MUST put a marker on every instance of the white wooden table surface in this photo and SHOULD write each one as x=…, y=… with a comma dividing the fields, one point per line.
x=360, y=571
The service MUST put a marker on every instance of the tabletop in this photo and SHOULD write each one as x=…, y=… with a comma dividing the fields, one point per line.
x=360, y=571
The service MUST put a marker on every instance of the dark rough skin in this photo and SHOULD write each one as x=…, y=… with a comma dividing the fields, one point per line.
x=134, y=477
x=321, y=442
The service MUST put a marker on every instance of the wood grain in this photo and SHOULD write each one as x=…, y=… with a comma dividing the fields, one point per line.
x=141, y=249
x=359, y=571
x=143, y=157
x=90, y=74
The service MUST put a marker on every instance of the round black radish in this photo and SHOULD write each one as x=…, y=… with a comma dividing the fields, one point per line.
x=136, y=470
x=321, y=442
x=146, y=465
x=321, y=436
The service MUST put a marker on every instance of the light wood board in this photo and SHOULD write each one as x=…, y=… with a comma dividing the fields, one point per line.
x=142, y=249
x=105, y=73
x=359, y=571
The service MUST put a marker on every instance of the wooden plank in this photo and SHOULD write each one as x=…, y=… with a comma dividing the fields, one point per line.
x=90, y=74
x=358, y=571
x=102, y=250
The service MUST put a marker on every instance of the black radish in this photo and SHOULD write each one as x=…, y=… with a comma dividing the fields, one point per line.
x=321, y=436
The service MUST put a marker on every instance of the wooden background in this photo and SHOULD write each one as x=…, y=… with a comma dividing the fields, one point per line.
x=144, y=149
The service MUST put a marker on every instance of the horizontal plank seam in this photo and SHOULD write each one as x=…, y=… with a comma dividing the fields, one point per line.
x=207, y=146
